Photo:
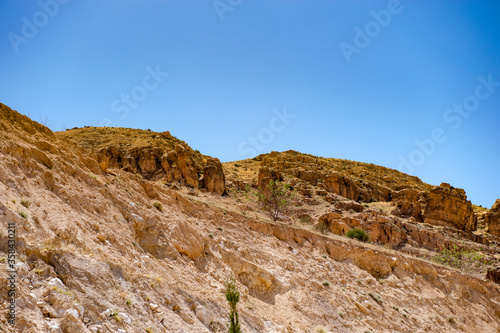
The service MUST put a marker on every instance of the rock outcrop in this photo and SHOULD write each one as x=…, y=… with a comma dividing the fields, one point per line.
x=342, y=185
x=213, y=177
x=407, y=204
x=492, y=219
x=449, y=206
x=155, y=156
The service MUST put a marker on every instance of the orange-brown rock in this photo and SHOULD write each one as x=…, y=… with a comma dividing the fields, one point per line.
x=492, y=219
x=449, y=206
x=311, y=177
x=373, y=192
x=341, y=185
x=407, y=209
x=348, y=205
x=407, y=203
x=213, y=177
x=333, y=222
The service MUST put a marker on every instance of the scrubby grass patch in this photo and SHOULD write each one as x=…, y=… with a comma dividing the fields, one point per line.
x=466, y=260
x=359, y=234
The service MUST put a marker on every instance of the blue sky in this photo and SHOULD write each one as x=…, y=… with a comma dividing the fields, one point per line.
x=411, y=85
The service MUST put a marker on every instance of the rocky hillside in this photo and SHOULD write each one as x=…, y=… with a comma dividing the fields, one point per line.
x=120, y=230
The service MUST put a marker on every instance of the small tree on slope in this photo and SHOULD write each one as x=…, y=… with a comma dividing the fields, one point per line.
x=233, y=297
x=275, y=198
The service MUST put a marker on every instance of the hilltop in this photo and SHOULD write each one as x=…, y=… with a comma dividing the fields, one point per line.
x=123, y=230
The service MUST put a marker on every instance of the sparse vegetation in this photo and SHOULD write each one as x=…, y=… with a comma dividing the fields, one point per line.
x=320, y=227
x=158, y=205
x=26, y=203
x=320, y=329
x=233, y=297
x=376, y=297
x=23, y=214
x=359, y=234
x=305, y=218
x=325, y=283
x=115, y=315
x=275, y=199
x=466, y=260
x=250, y=306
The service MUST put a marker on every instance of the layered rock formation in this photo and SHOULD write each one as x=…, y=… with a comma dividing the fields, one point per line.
x=153, y=155
x=447, y=205
x=342, y=185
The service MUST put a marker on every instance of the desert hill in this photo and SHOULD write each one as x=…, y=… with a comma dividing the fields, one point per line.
x=121, y=230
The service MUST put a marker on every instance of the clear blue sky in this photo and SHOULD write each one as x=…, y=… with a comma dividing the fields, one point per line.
x=360, y=80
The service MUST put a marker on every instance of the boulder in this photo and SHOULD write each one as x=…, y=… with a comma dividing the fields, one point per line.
x=331, y=219
x=348, y=205
x=448, y=206
x=204, y=315
x=187, y=240
x=213, y=177
x=492, y=219
x=342, y=185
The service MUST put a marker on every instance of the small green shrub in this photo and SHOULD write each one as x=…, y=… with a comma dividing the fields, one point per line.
x=325, y=283
x=23, y=214
x=26, y=203
x=359, y=234
x=158, y=205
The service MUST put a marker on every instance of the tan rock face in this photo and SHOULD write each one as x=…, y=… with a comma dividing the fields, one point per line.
x=449, y=206
x=492, y=219
x=342, y=185
x=213, y=176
